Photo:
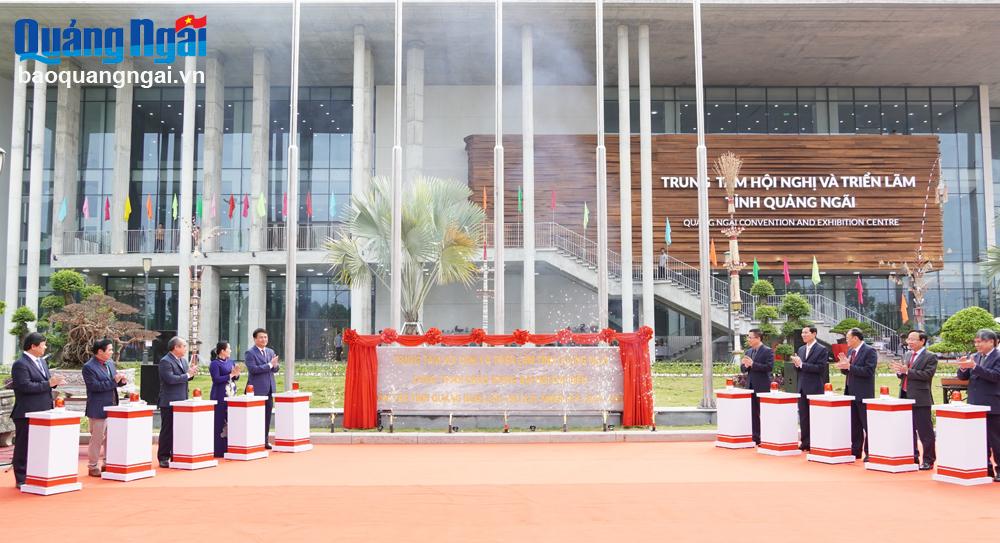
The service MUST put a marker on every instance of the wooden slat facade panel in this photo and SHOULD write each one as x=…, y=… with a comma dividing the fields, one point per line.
x=566, y=165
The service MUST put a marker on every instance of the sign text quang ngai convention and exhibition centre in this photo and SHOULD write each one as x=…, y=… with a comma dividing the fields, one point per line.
x=469, y=379
x=852, y=201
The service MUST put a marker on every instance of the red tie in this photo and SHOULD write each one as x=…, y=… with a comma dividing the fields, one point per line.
x=910, y=365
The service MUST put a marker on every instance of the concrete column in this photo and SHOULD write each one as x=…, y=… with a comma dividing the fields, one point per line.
x=987, y=150
x=208, y=329
x=625, y=175
x=212, y=154
x=66, y=174
x=209, y=320
x=122, y=166
x=602, y=175
x=414, y=153
x=35, y=188
x=15, y=165
x=188, y=138
x=528, y=168
x=259, y=133
x=369, y=141
x=361, y=309
x=257, y=300
x=646, y=183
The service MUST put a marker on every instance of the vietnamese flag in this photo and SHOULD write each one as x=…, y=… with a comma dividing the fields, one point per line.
x=190, y=20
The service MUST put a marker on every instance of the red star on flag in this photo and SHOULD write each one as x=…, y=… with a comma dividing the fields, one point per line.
x=190, y=20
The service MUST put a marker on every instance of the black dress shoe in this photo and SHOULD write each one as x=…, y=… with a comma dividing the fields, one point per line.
x=164, y=464
x=267, y=445
x=926, y=466
x=996, y=479
x=866, y=459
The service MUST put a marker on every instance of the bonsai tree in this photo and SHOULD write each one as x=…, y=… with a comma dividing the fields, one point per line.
x=960, y=329
x=21, y=317
x=845, y=325
x=97, y=317
x=764, y=313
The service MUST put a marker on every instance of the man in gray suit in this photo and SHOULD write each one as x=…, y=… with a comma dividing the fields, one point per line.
x=175, y=372
x=916, y=372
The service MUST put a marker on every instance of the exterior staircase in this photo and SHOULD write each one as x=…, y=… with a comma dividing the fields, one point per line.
x=680, y=287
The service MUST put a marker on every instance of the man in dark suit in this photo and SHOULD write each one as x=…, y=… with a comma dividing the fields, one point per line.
x=859, y=366
x=175, y=372
x=983, y=373
x=916, y=372
x=811, y=364
x=102, y=382
x=33, y=386
x=262, y=364
x=757, y=364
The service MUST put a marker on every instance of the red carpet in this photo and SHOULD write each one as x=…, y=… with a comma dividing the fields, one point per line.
x=537, y=492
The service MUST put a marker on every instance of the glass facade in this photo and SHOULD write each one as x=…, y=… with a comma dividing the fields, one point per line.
x=323, y=309
x=324, y=157
x=155, y=300
x=235, y=180
x=157, y=123
x=97, y=159
x=950, y=113
x=234, y=301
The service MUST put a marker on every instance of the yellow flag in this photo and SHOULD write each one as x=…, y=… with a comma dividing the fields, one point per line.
x=128, y=208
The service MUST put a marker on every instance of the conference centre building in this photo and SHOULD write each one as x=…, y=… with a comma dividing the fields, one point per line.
x=864, y=130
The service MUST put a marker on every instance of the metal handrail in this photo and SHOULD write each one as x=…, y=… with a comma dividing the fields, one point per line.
x=550, y=235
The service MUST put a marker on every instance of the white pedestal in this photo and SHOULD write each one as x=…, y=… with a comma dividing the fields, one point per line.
x=830, y=428
x=53, y=452
x=291, y=421
x=733, y=413
x=194, y=424
x=130, y=433
x=961, y=444
x=246, y=427
x=779, y=424
x=890, y=435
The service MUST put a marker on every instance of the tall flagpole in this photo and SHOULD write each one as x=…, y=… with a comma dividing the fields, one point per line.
x=602, y=180
x=292, y=219
x=498, y=180
x=704, y=271
x=396, y=244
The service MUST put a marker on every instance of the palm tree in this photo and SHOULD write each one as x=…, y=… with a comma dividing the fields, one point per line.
x=991, y=264
x=441, y=231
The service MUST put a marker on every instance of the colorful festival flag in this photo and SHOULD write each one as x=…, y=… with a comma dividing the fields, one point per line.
x=667, y=237
x=756, y=270
x=86, y=207
x=261, y=206
x=712, y=254
x=784, y=270
x=149, y=207
x=107, y=208
x=586, y=215
x=173, y=208
x=902, y=308
x=62, y=210
x=815, y=273
x=128, y=208
x=309, y=205
x=861, y=290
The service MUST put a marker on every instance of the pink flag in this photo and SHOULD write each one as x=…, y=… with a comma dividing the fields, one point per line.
x=107, y=208
x=246, y=205
x=861, y=291
x=86, y=207
x=284, y=205
x=552, y=204
x=785, y=271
